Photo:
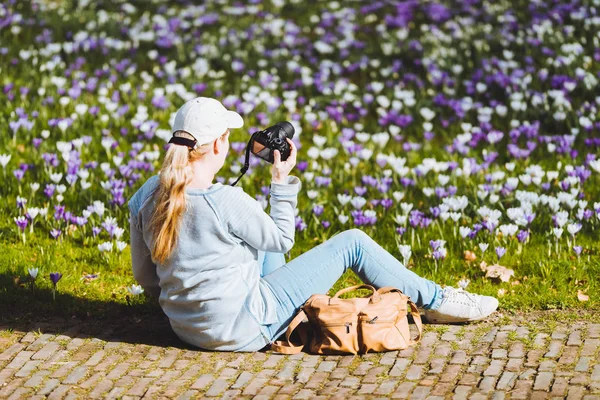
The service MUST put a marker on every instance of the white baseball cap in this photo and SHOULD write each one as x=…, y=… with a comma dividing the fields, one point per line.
x=206, y=119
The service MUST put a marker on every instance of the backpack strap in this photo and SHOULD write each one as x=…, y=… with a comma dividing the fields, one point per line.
x=287, y=347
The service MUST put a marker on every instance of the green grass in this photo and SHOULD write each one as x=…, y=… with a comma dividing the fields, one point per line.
x=545, y=283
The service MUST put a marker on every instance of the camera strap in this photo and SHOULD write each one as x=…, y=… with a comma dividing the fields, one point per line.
x=247, y=162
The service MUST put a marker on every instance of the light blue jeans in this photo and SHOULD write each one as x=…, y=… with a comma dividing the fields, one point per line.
x=317, y=270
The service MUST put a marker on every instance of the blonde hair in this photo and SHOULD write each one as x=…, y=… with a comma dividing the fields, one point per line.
x=175, y=174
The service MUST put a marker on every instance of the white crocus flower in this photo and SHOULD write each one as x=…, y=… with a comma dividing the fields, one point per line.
x=121, y=245
x=312, y=194
x=135, y=290
x=401, y=219
x=4, y=159
x=464, y=231
x=405, y=252
x=33, y=212
x=344, y=199
x=573, y=228
x=406, y=207
x=343, y=218
x=358, y=202
x=33, y=272
x=557, y=232
x=56, y=177
x=483, y=247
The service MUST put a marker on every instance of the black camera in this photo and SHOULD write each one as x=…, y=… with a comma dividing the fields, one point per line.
x=273, y=138
x=263, y=143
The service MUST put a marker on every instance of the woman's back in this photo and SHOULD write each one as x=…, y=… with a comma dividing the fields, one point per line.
x=210, y=287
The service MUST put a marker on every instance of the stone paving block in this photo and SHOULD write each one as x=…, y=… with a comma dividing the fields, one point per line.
x=420, y=392
x=20, y=359
x=37, y=378
x=140, y=387
x=442, y=389
x=59, y=392
x=191, y=394
x=522, y=390
x=487, y=384
x=547, y=365
x=543, y=381
x=254, y=386
x=93, y=380
x=28, y=368
x=64, y=369
x=415, y=372
x=326, y=366
x=583, y=365
x=403, y=390
x=316, y=380
x=495, y=368
x=575, y=339
x=20, y=393
x=217, y=387
x=399, y=367
x=554, y=349
x=559, y=387
x=576, y=392
x=459, y=357
x=76, y=375
x=118, y=370
x=203, y=381
x=514, y=364
x=48, y=386
x=506, y=381
x=11, y=351
x=115, y=393
x=386, y=387
x=590, y=347
x=10, y=387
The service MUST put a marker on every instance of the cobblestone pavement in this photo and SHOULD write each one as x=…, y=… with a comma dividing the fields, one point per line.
x=543, y=355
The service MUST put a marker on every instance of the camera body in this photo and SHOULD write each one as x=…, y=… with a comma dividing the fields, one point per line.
x=273, y=138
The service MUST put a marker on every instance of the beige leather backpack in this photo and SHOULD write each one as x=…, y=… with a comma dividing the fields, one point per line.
x=330, y=325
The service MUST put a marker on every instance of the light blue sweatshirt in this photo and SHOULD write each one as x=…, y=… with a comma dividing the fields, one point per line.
x=211, y=288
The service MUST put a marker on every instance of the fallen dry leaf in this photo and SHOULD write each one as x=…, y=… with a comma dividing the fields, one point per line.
x=497, y=271
x=483, y=265
x=582, y=296
x=470, y=256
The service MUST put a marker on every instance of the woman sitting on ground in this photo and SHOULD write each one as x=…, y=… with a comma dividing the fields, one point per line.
x=215, y=259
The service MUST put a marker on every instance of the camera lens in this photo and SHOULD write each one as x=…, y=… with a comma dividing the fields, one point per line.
x=287, y=128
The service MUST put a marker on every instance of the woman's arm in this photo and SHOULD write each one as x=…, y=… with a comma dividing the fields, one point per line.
x=144, y=270
x=275, y=233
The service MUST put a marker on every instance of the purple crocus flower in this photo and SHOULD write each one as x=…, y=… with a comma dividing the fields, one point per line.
x=300, y=224
x=21, y=223
x=500, y=251
x=96, y=230
x=318, y=209
x=577, y=250
x=55, y=233
x=326, y=224
x=55, y=277
x=439, y=254
x=522, y=236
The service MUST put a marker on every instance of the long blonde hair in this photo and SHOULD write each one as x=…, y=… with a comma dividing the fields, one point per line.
x=175, y=174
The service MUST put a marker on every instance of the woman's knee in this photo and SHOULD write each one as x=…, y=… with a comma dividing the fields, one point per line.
x=354, y=234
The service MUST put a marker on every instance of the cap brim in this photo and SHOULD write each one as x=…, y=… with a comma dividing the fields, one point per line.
x=234, y=120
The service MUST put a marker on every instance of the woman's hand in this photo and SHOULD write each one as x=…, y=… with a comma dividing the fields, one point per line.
x=281, y=169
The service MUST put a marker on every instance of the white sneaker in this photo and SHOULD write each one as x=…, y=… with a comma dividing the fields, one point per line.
x=459, y=305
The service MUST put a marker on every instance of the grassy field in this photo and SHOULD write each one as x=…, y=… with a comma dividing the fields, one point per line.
x=409, y=112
